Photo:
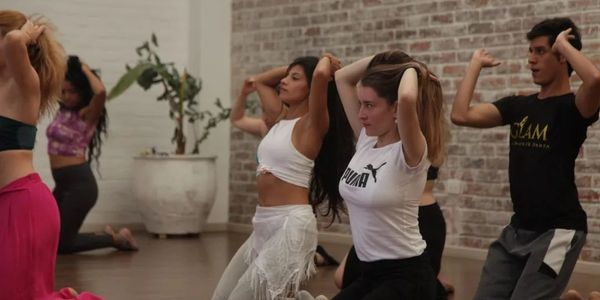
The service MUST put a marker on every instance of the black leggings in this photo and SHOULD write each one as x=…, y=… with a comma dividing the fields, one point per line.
x=433, y=229
x=432, y=226
x=410, y=279
x=76, y=193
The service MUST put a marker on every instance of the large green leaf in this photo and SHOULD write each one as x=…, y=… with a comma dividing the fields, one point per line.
x=128, y=79
x=148, y=78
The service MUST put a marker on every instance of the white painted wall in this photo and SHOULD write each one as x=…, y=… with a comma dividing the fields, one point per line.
x=194, y=34
x=210, y=52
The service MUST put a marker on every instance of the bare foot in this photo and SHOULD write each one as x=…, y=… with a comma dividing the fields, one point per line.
x=594, y=295
x=571, y=295
x=73, y=292
x=446, y=284
x=109, y=230
x=124, y=240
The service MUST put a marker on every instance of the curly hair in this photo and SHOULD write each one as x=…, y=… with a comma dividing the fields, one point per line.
x=79, y=80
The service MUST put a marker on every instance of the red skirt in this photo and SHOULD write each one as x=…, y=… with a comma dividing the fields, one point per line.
x=29, y=232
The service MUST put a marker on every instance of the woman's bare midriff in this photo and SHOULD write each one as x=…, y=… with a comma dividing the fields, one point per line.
x=59, y=161
x=273, y=191
x=427, y=196
x=15, y=164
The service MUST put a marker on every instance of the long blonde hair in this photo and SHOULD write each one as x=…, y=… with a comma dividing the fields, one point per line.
x=432, y=119
x=385, y=77
x=46, y=56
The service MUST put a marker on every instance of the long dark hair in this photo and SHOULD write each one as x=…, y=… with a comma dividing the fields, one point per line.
x=335, y=155
x=336, y=150
x=81, y=83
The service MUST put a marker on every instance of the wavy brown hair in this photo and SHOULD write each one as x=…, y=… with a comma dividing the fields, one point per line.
x=383, y=75
x=46, y=56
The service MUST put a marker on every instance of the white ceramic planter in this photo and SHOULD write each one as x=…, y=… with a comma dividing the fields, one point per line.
x=176, y=193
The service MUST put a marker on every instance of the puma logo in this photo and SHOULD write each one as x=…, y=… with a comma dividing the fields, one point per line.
x=374, y=170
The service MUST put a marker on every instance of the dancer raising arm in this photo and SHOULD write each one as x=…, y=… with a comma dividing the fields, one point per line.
x=278, y=256
x=536, y=252
x=32, y=67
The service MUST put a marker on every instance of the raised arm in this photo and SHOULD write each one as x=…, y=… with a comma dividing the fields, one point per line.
x=346, y=79
x=318, y=116
x=17, y=58
x=266, y=84
x=91, y=113
x=587, y=98
x=413, y=140
x=483, y=115
x=238, y=118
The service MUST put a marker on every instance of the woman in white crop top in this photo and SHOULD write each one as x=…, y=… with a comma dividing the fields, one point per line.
x=302, y=126
x=395, y=113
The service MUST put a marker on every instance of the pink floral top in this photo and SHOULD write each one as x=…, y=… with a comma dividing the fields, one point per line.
x=68, y=134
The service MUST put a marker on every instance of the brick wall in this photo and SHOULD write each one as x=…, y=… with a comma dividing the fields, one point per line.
x=473, y=187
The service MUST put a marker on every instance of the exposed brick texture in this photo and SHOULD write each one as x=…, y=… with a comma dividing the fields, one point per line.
x=473, y=186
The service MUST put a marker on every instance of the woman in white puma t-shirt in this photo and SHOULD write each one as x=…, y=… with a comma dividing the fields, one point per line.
x=396, y=114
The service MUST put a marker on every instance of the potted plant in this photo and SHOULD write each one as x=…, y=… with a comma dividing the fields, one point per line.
x=174, y=192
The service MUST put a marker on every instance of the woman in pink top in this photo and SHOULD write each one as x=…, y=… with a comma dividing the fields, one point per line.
x=77, y=130
x=32, y=67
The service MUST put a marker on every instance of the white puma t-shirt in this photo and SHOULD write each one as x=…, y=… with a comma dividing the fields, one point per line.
x=382, y=194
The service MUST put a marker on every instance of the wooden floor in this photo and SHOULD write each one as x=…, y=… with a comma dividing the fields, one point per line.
x=190, y=269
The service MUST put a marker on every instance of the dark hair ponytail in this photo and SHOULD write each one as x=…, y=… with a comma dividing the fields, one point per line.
x=336, y=151
x=333, y=158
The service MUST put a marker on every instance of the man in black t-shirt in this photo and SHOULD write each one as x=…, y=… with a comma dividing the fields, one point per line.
x=535, y=254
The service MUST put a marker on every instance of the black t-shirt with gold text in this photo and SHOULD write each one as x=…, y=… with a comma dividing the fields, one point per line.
x=545, y=138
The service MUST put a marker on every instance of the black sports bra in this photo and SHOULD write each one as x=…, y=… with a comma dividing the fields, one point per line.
x=15, y=135
x=432, y=173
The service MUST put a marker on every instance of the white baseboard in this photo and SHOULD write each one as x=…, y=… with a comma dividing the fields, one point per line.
x=464, y=252
x=239, y=228
x=100, y=227
x=216, y=227
x=336, y=238
x=586, y=267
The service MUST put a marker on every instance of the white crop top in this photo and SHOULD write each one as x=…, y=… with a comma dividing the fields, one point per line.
x=277, y=155
x=382, y=195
